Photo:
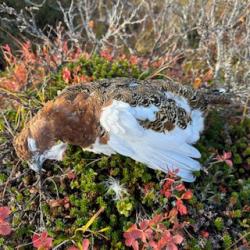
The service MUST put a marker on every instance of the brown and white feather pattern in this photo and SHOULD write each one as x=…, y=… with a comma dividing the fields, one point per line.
x=154, y=122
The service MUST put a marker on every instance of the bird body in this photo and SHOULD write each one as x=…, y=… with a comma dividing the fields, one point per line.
x=154, y=122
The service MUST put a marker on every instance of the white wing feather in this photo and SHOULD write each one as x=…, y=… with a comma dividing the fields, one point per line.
x=163, y=151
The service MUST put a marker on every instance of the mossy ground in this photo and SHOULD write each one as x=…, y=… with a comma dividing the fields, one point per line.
x=72, y=191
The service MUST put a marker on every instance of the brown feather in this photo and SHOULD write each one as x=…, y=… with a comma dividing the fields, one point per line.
x=74, y=121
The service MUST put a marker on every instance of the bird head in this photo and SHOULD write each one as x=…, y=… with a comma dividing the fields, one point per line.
x=35, y=151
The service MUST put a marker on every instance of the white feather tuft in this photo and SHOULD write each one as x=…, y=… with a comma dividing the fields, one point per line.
x=113, y=185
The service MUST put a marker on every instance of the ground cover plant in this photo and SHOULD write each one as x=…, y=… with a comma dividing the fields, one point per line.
x=129, y=197
x=90, y=201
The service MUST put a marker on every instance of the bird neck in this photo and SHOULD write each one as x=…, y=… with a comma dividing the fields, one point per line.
x=76, y=121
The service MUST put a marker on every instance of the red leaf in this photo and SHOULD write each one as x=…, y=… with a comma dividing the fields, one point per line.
x=144, y=224
x=85, y=244
x=6, y=47
x=187, y=195
x=149, y=233
x=182, y=209
x=226, y=157
x=133, y=60
x=165, y=239
x=66, y=75
x=156, y=219
x=65, y=47
x=171, y=246
x=173, y=212
x=132, y=234
x=180, y=187
x=153, y=244
x=42, y=241
x=178, y=239
x=167, y=194
x=5, y=228
x=169, y=182
x=204, y=234
x=4, y=213
x=229, y=163
x=73, y=248
x=135, y=245
x=106, y=54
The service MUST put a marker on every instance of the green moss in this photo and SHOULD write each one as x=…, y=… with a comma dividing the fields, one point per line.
x=236, y=213
x=227, y=241
x=219, y=224
x=125, y=207
x=246, y=151
x=3, y=178
x=237, y=159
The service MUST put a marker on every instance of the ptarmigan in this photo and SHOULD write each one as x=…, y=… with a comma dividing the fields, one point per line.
x=154, y=122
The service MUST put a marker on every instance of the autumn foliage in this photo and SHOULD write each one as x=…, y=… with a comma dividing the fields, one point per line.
x=176, y=191
x=153, y=234
x=42, y=241
x=83, y=246
x=5, y=227
x=33, y=65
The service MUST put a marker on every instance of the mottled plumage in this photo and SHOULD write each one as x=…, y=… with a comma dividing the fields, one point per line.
x=154, y=122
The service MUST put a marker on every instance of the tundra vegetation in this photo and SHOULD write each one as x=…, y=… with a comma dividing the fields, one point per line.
x=90, y=201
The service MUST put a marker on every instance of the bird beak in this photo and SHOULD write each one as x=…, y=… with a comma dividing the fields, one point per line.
x=54, y=153
x=36, y=163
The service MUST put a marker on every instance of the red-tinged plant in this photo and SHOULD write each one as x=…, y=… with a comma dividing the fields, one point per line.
x=187, y=195
x=158, y=63
x=154, y=234
x=66, y=74
x=145, y=63
x=71, y=175
x=7, y=55
x=204, y=234
x=106, y=54
x=180, y=187
x=148, y=187
x=182, y=209
x=5, y=228
x=132, y=235
x=83, y=246
x=226, y=157
x=168, y=241
x=20, y=75
x=133, y=60
x=27, y=54
x=173, y=213
x=42, y=241
x=173, y=189
x=122, y=57
x=167, y=187
x=34, y=64
x=59, y=202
